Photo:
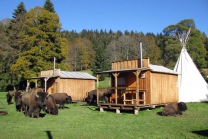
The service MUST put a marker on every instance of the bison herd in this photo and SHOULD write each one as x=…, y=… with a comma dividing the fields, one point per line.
x=35, y=100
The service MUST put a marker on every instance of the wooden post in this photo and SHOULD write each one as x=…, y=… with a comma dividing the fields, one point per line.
x=36, y=82
x=46, y=79
x=98, y=76
x=116, y=85
x=28, y=85
x=137, y=86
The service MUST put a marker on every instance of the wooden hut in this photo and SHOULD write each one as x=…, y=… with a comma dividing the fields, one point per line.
x=135, y=85
x=75, y=84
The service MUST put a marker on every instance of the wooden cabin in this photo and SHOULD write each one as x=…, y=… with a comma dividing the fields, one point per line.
x=75, y=84
x=135, y=85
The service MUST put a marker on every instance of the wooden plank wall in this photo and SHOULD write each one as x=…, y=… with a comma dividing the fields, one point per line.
x=163, y=88
x=129, y=64
x=76, y=88
x=49, y=72
x=144, y=84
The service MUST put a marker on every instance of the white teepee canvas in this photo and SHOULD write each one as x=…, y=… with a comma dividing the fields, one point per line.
x=192, y=86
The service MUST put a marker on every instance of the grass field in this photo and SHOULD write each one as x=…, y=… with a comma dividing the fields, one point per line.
x=81, y=121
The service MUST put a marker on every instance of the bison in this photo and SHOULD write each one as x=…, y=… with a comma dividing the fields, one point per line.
x=174, y=108
x=9, y=97
x=104, y=94
x=18, y=100
x=25, y=101
x=35, y=100
x=61, y=99
x=51, y=106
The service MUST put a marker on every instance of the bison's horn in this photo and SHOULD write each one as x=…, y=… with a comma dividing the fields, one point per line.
x=36, y=95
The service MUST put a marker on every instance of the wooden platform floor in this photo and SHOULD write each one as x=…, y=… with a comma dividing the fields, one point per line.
x=133, y=107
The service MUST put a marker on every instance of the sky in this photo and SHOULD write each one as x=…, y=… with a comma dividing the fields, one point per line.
x=147, y=16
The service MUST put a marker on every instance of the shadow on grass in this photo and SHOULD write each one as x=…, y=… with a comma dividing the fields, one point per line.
x=42, y=115
x=49, y=134
x=201, y=132
x=93, y=108
x=65, y=107
x=159, y=113
x=11, y=103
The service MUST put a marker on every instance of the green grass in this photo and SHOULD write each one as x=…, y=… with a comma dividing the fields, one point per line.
x=106, y=83
x=102, y=84
x=81, y=121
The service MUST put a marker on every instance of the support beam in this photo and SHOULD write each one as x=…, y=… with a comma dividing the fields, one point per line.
x=98, y=76
x=116, y=85
x=46, y=79
x=36, y=82
x=137, y=85
x=28, y=85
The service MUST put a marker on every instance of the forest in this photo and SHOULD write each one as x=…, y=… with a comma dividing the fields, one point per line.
x=31, y=39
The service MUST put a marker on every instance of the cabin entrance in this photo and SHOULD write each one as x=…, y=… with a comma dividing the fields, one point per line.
x=129, y=97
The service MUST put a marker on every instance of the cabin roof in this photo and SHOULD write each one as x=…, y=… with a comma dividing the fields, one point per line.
x=153, y=68
x=69, y=74
x=77, y=75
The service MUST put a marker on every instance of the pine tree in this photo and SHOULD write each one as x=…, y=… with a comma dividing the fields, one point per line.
x=49, y=6
x=42, y=43
x=15, y=35
x=20, y=10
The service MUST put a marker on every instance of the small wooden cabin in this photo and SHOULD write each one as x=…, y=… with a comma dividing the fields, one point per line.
x=75, y=84
x=135, y=85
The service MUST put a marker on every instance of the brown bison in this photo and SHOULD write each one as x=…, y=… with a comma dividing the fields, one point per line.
x=104, y=94
x=18, y=100
x=61, y=99
x=174, y=108
x=51, y=106
x=9, y=97
x=35, y=100
x=25, y=101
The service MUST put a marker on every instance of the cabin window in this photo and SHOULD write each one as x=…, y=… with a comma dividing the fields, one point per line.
x=121, y=81
x=142, y=75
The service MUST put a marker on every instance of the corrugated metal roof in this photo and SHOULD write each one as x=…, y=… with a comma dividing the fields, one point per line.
x=76, y=75
x=158, y=68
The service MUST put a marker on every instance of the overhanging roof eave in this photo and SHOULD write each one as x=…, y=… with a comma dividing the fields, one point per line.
x=122, y=70
x=40, y=77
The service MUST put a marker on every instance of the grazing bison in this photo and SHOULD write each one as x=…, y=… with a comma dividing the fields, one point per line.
x=51, y=106
x=25, y=101
x=35, y=100
x=61, y=99
x=18, y=100
x=174, y=108
x=104, y=94
x=9, y=97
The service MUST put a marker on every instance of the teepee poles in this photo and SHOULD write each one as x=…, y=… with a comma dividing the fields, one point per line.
x=183, y=37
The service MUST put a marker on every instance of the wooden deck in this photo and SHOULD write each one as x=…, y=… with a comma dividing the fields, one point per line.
x=133, y=107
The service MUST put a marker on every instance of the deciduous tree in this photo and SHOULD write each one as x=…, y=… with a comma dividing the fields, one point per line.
x=42, y=42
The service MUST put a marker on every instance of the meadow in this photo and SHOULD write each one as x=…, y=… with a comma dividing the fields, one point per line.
x=81, y=121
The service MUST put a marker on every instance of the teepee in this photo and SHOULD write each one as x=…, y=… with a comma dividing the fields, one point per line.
x=192, y=86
